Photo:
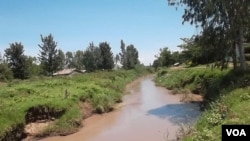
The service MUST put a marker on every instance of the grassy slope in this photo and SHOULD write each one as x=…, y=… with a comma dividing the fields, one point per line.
x=227, y=96
x=101, y=89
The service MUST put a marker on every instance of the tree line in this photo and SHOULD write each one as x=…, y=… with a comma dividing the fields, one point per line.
x=15, y=64
x=224, y=37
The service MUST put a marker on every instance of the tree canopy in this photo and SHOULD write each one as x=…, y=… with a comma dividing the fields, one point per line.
x=17, y=61
x=129, y=56
x=48, y=55
x=50, y=59
x=107, y=56
x=92, y=59
x=227, y=20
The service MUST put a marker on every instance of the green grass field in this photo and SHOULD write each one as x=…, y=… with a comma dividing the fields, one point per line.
x=59, y=97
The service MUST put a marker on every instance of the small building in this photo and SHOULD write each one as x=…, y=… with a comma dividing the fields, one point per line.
x=68, y=72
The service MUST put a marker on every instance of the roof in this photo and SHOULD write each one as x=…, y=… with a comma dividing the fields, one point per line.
x=68, y=71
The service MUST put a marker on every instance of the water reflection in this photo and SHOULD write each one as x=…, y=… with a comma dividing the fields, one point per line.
x=181, y=113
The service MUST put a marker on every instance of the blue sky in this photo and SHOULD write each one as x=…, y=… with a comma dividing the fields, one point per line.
x=147, y=24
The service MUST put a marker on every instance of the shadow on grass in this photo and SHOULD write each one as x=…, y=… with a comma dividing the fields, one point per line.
x=182, y=113
x=232, y=80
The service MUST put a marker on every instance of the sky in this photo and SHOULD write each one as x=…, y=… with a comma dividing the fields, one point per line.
x=147, y=24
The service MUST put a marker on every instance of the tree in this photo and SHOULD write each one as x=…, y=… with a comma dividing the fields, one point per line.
x=122, y=54
x=128, y=56
x=228, y=18
x=193, y=51
x=92, y=59
x=69, y=59
x=89, y=60
x=33, y=67
x=5, y=72
x=117, y=58
x=61, y=59
x=176, y=57
x=96, y=51
x=107, y=56
x=48, y=55
x=190, y=49
x=156, y=64
x=164, y=58
x=78, y=59
x=17, y=61
x=247, y=51
x=132, y=57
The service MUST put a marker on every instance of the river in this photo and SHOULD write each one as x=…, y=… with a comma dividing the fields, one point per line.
x=147, y=113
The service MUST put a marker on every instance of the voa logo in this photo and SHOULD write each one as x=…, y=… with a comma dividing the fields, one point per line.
x=236, y=132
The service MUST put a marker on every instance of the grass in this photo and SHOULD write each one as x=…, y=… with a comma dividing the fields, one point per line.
x=101, y=89
x=230, y=108
x=226, y=94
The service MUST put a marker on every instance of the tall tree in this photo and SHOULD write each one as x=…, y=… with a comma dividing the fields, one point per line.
x=117, y=58
x=156, y=63
x=78, y=59
x=69, y=59
x=92, y=59
x=176, y=57
x=231, y=18
x=61, y=59
x=89, y=60
x=32, y=65
x=122, y=54
x=48, y=54
x=132, y=56
x=128, y=56
x=195, y=51
x=107, y=56
x=164, y=58
x=97, y=57
x=17, y=61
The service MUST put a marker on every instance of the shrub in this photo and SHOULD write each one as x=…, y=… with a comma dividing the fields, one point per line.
x=5, y=73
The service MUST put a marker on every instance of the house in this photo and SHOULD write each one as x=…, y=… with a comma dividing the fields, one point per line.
x=68, y=72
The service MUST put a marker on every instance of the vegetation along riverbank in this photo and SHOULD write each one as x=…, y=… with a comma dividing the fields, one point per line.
x=226, y=95
x=52, y=93
x=62, y=102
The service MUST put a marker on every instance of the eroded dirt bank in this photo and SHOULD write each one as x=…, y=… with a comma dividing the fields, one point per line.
x=147, y=113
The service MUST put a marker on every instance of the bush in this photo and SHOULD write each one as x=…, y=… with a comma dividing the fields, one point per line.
x=5, y=73
x=245, y=96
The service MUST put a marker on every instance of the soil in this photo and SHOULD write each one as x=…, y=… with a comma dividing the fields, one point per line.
x=86, y=109
x=193, y=98
x=33, y=129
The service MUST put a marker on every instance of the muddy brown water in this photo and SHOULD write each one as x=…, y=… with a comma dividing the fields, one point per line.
x=148, y=113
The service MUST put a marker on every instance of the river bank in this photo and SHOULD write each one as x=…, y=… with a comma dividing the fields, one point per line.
x=87, y=111
x=59, y=101
x=226, y=97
